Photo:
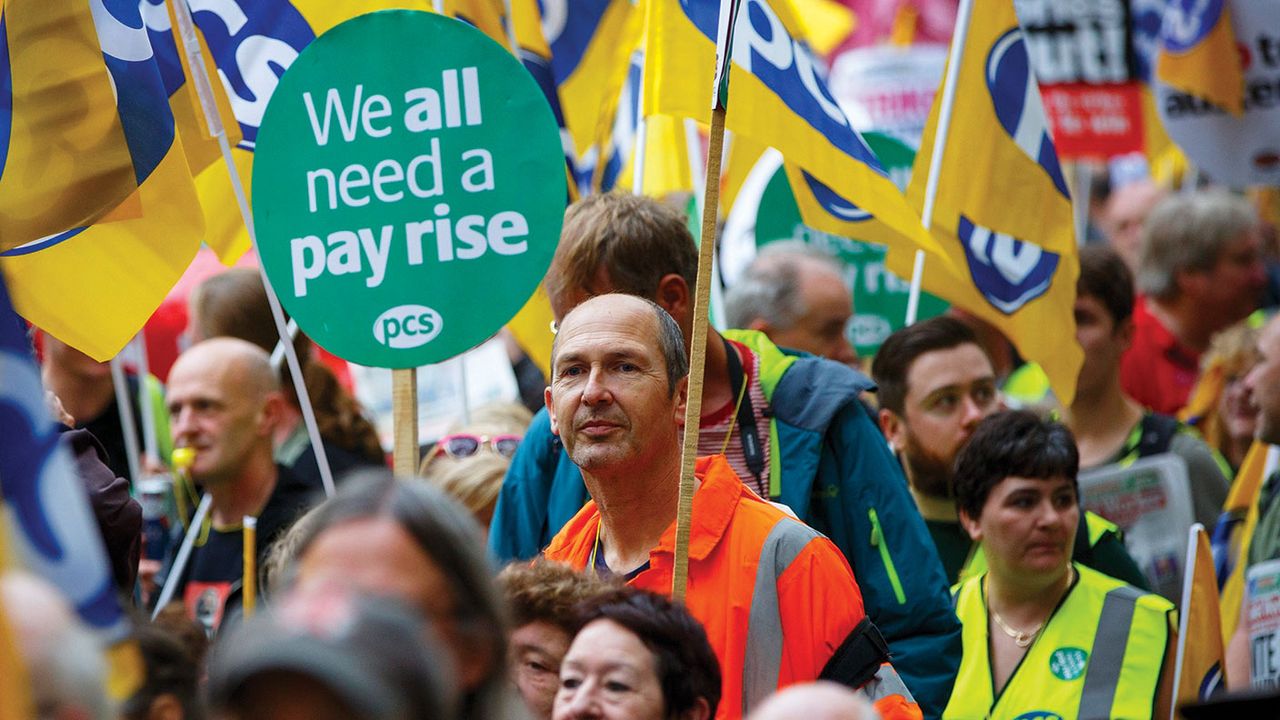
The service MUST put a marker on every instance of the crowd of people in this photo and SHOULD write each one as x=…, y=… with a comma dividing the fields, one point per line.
x=906, y=543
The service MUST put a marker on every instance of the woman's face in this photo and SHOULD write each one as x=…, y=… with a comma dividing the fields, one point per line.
x=534, y=656
x=1236, y=409
x=609, y=674
x=1027, y=526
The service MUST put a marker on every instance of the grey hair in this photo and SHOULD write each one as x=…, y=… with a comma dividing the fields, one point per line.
x=64, y=659
x=769, y=288
x=1186, y=233
x=446, y=532
x=670, y=341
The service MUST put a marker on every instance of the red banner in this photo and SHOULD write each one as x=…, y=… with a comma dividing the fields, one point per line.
x=1094, y=121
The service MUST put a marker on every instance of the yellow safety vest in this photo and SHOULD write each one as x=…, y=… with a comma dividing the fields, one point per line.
x=1099, y=656
x=1096, y=525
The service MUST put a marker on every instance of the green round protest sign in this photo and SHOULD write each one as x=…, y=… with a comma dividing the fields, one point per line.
x=408, y=188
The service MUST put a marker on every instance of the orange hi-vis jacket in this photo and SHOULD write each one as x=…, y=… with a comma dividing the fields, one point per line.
x=776, y=598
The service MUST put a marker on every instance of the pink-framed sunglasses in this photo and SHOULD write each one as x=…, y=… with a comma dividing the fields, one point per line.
x=463, y=445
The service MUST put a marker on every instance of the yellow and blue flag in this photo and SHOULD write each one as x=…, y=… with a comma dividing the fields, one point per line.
x=1234, y=531
x=780, y=98
x=65, y=143
x=1198, y=670
x=94, y=285
x=1198, y=52
x=53, y=530
x=1002, y=213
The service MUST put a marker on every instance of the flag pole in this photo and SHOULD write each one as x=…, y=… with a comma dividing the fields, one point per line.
x=204, y=91
x=1188, y=578
x=954, y=58
x=125, y=408
x=702, y=296
x=150, y=439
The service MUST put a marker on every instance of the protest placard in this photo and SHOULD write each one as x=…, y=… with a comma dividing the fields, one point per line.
x=408, y=188
x=1262, y=583
x=1150, y=501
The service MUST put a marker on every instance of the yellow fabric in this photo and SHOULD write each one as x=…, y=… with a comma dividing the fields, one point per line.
x=532, y=330
x=97, y=289
x=1202, y=654
x=1017, y=197
x=67, y=162
x=202, y=149
x=824, y=23
x=666, y=159
x=678, y=82
x=1048, y=681
x=15, y=699
x=1210, y=69
x=1242, y=499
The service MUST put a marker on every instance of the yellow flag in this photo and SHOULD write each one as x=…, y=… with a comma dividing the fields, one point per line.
x=1198, y=53
x=93, y=286
x=1234, y=531
x=1002, y=213
x=1199, y=662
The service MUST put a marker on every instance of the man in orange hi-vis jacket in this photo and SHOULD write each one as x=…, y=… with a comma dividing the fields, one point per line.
x=778, y=600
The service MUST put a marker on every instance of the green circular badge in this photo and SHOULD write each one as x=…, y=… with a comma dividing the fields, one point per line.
x=408, y=188
x=1068, y=663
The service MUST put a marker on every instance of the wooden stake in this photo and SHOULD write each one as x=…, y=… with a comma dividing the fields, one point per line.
x=697, y=356
x=249, y=582
x=404, y=418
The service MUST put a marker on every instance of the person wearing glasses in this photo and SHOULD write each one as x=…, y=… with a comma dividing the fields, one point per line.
x=470, y=462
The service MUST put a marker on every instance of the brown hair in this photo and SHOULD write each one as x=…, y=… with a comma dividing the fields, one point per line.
x=546, y=591
x=635, y=239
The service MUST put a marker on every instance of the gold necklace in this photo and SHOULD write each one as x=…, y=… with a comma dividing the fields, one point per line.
x=1021, y=639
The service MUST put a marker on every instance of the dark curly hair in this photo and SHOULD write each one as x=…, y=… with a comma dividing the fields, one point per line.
x=687, y=666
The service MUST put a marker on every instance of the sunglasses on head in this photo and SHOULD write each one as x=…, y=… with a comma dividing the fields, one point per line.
x=462, y=445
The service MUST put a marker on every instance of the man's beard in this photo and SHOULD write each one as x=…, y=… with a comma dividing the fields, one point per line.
x=929, y=474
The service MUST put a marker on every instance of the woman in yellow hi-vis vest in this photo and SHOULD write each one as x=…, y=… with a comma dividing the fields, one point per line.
x=1044, y=638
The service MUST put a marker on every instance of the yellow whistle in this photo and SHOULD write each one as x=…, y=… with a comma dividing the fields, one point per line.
x=183, y=458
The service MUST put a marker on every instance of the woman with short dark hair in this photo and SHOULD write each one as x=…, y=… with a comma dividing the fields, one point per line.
x=1042, y=635
x=638, y=656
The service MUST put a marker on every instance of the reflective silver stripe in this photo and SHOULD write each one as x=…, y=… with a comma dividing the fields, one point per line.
x=885, y=683
x=1110, y=641
x=763, y=652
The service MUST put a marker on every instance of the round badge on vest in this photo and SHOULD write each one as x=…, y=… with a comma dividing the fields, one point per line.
x=1068, y=663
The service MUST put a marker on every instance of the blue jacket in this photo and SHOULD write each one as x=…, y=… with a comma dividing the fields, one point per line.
x=831, y=465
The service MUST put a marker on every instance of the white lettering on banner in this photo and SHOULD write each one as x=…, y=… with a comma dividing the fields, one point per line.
x=343, y=252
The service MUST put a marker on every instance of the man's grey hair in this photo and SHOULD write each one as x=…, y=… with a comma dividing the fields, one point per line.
x=670, y=341
x=1188, y=233
x=769, y=288
x=64, y=659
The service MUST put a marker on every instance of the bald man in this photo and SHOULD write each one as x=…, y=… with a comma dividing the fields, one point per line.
x=225, y=402
x=815, y=701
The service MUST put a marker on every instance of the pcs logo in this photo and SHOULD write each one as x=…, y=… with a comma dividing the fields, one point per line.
x=252, y=43
x=1039, y=715
x=1016, y=100
x=407, y=326
x=1187, y=22
x=1007, y=271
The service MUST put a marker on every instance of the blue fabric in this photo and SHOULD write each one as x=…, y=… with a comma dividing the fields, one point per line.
x=836, y=467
